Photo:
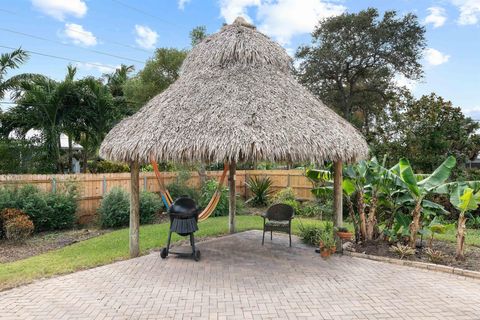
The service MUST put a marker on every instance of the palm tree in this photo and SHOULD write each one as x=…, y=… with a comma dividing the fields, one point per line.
x=11, y=60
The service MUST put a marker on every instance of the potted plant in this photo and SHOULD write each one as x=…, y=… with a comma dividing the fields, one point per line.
x=327, y=241
x=344, y=234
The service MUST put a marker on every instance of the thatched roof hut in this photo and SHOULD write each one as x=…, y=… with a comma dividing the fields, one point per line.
x=235, y=100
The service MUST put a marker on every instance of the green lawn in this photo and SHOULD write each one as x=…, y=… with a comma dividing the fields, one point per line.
x=112, y=247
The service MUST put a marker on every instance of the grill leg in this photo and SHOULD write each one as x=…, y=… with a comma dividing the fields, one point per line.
x=192, y=243
x=271, y=235
x=263, y=237
x=168, y=241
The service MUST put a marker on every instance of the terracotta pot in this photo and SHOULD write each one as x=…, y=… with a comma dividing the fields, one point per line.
x=325, y=253
x=345, y=235
x=333, y=249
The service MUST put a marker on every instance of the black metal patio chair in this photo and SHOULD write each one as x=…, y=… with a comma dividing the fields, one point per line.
x=278, y=218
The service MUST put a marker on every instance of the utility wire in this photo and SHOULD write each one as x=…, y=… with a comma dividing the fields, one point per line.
x=62, y=58
x=68, y=45
x=126, y=5
x=85, y=33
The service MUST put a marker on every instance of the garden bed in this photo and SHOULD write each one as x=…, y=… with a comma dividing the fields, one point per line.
x=382, y=248
x=43, y=242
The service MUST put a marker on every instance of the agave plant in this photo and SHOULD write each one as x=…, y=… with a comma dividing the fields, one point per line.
x=261, y=190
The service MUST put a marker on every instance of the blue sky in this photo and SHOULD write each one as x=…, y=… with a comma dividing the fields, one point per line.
x=78, y=30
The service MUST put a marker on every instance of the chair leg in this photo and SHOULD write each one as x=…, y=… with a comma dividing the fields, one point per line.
x=290, y=237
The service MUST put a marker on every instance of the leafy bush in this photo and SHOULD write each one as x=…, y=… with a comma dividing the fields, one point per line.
x=309, y=209
x=283, y=195
x=474, y=222
x=62, y=214
x=104, y=166
x=294, y=204
x=8, y=214
x=208, y=189
x=310, y=234
x=261, y=190
x=114, y=208
x=32, y=201
x=18, y=228
x=150, y=204
x=180, y=187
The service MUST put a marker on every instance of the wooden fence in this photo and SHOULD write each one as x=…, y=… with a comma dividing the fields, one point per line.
x=92, y=187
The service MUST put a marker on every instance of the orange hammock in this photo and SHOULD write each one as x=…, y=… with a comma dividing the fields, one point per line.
x=167, y=198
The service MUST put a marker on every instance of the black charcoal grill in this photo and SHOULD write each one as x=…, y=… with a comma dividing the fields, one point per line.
x=183, y=215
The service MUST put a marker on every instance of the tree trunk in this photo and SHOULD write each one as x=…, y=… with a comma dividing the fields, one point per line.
x=134, y=209
x=202, y=174
x=232, y=196
x=361, y=215
x=415, y=224
x=460, y=254
x=372, y=218
x=70, y=156
x=351, y=212
x=338, y=194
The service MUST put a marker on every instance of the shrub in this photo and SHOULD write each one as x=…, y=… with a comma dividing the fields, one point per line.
x=32, y=201
x=150, y=204
x=294, y=204
x=309, y=209
x=180, y=188
x=260, y=189
x=310, y=234
x=114, y=208
x=18, y=228
x=6, y=215
x=7, y=198
x=208, y=189
x=284, y=195
x=62, y=214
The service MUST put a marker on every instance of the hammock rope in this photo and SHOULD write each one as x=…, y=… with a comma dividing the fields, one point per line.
x=167, y=198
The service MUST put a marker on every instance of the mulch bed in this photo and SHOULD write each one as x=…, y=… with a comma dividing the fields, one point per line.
x=381, y=248
x=43, y=242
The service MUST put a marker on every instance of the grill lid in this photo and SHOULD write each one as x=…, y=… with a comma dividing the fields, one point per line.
x=183, y=207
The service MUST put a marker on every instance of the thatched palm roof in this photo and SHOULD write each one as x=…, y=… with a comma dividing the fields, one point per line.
x=236, y=99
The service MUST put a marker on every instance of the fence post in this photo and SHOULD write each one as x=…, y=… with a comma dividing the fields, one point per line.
x=54, y=185
x=288, y=180
x=145, y=183
x=104, y=185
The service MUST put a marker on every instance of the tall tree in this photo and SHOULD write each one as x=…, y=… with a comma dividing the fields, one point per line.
x=197, y=35
x=159, y=73
x=427, y=130
x=8, y=61
x=354, y=58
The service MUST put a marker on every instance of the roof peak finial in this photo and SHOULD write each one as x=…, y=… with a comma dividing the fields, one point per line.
x=241, y=21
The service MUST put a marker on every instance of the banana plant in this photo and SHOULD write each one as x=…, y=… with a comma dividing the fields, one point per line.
x=418, y=190
x=465, y=199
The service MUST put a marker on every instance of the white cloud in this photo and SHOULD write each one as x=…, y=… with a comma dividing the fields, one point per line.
x=79, y=35
x=146, y=37
x=282, y=19
x=230, y=9
x=103, y=68
x=402, y=81
x=437, y=16
x=435, y=57
x=469, y=11
x=182, y=3
x=59, y=9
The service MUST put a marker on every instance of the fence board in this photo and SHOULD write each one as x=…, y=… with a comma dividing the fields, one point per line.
x=92, y=187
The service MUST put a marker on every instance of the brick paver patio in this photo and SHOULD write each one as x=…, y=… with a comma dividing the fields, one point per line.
x=237, y=278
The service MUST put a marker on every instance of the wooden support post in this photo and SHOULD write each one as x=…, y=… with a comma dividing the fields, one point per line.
x=338, y=194
x=232, y=196
x=134, y=209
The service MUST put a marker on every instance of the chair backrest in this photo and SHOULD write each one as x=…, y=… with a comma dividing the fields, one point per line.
x=280, y=211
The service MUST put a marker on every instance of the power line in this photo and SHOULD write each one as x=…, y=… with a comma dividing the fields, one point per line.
x=126, y=5
x=68, y=45
x=62, y=58
x=85, y=33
